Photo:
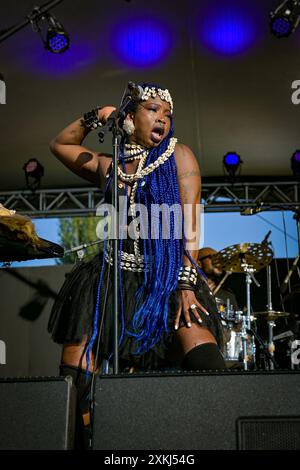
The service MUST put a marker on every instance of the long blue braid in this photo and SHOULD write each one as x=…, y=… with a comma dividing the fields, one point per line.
x=163, y=256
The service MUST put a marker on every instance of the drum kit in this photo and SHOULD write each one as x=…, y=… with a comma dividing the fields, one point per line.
x=244, y=347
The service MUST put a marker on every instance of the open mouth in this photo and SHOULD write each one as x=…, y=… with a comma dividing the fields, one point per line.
x=157, y=133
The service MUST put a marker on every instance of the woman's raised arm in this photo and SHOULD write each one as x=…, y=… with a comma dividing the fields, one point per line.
x=67, y=147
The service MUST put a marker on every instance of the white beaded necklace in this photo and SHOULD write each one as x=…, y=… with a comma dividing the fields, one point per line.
x=141, y=173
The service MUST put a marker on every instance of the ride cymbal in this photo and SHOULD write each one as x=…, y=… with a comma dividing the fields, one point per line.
x=237, y=258
x=270, y=315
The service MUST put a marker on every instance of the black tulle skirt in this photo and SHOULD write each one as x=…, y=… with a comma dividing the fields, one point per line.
x=72, y=315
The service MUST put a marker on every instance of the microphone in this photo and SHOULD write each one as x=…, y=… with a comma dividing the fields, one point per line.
x=135, y=91
x=267, y=236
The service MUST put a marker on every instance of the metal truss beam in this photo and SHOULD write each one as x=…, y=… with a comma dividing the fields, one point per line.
x=53, y=202
x=216, y=197
x=271, y=196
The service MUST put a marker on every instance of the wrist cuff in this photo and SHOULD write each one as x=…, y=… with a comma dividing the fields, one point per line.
x=91, y=120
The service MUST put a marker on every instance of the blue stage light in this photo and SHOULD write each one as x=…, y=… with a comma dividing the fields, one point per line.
x=295, y=163
x=143, y=43
x=57, y=40
x=227, y=28
x=281, y=27
x=285, y=19
x=232, y=162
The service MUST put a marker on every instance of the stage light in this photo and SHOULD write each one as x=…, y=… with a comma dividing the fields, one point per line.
x=295, y=163
x=142, y=42
x=33, y=173
x=227, y=28
x=285, y=19
x=51, y=31
x=232, y=162
x=57, y=39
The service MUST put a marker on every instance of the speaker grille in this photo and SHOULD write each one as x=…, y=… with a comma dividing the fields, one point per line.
x=272, y=433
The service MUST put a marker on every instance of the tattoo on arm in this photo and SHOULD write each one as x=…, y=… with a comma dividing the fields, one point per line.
x=185, y=193
x=188, y=173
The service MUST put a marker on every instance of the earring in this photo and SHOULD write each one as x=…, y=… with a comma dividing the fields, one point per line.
x=128, y=126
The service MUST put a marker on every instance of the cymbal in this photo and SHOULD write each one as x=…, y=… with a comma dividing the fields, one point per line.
x=270, y=315
x=20, y=242
x=18, y=250
x=236, y=258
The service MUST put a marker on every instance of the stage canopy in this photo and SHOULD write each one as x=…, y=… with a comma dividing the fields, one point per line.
x=231, y=80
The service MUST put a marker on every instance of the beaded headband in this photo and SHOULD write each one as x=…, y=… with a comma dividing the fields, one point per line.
x=152, y=92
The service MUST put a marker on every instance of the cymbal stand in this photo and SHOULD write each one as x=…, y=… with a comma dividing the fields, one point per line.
x=271, y=323
x=246, y=319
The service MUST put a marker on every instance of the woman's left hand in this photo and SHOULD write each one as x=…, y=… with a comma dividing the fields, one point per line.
x=188, y=303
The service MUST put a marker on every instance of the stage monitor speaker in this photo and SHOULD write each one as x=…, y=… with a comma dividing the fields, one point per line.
x=37, y=413
x=205, y=411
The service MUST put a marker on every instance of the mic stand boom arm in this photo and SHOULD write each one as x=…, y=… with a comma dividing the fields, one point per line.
x=284, y=285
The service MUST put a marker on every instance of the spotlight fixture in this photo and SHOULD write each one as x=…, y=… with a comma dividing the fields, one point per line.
x=232, y=162
x=295, y=163
x=51, y=31
x=285, y=19
x=33, y=173
x=57, y=39
x=53, y=34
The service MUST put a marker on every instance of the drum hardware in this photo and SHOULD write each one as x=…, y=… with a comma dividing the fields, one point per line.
x=271, y=316
x=246, y=258
x=265, y=348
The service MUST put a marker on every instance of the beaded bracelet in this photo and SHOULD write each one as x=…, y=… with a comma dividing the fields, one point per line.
x=91, y=120
x=187, y=278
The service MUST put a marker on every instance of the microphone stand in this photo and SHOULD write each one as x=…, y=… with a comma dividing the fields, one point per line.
x=293, y=268
x=114, y=125
x=80, y=249
x=264, y=347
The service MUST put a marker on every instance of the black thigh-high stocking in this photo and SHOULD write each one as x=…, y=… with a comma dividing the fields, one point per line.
x=206, y=356
x=82, y=431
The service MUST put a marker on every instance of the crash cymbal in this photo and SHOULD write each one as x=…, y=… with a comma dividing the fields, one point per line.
x=18, y=250
x=236, y=258
x=270, y=315
x=20, y=242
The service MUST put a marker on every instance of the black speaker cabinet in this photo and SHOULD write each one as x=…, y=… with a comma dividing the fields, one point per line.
x=230, y=411
x=37, y=413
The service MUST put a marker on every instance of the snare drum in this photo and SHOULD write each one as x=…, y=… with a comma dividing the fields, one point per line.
x=234, y=347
